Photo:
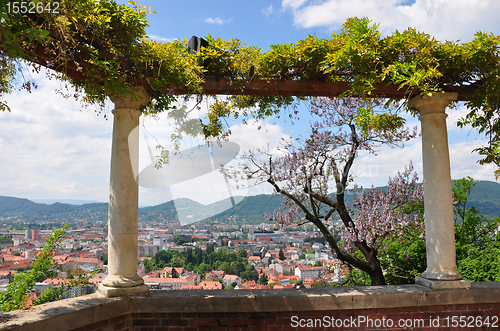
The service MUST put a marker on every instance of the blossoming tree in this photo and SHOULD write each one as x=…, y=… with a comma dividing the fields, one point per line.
x=307, y=174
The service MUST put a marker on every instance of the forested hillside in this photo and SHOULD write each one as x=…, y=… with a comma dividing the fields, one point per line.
x=485, y=197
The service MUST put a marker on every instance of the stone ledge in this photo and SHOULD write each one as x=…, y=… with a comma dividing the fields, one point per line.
x=78, y=312
x=65, y=314
x=313, y=299
x=443, y=284
x=111, y=292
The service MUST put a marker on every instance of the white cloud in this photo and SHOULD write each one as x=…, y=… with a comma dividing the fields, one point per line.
x=257, y=133
x=376, y=169
x=370, y=169
x=454, y=115
x=161, y=39
x=444, y=19
x=51, y=149
x=293, y=4
x=464, y=162
x=217, y=20
x=268, y=10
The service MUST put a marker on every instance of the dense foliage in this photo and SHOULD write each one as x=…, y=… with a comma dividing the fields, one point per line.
x=101, y=48
x=6, y=240
x=476, y=236
x=478, y=249
x=203, y=261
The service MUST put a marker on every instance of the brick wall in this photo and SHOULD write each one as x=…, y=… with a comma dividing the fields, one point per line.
x=119, y=323
x=405, y=307
x=484, y=316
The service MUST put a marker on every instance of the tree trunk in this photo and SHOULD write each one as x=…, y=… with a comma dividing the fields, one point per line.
x=376, y=275
x=371, y=265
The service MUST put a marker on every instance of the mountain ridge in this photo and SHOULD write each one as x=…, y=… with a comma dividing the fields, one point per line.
x=250, y=209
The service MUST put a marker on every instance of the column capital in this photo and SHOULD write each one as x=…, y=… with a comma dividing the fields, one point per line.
x=436, y=103
x=131, y=100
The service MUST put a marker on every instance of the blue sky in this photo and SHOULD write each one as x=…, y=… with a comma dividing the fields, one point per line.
x=51, y=149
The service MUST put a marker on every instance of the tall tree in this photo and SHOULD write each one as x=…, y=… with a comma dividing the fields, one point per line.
x=282, y=255
x=175, y=274
x=304, y=176
x=263, y=279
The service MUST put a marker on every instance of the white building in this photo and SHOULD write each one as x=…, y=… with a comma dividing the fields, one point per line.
x=310, y=272
x=158, y=241
x=322, y=255
x=276, y=266
x=165, y=283
x=147, y=250
x=317, y=246
x=229, y=279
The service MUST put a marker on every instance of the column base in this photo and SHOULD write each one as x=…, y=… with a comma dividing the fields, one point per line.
x=441, y=275
x=121, y=281
x=443, y=284
x=110, y=292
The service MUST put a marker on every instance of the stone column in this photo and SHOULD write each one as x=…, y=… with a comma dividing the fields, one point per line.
x=438, y=199
x=122, y=279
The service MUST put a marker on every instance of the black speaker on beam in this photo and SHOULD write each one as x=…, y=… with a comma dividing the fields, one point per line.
x=195, y=44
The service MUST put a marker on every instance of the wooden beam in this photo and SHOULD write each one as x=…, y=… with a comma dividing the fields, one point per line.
x=299, y=88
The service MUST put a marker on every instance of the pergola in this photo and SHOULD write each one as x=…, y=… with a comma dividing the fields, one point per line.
x=122, y=279
x=441, y=270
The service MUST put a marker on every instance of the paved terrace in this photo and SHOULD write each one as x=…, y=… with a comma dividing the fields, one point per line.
x=362, y=308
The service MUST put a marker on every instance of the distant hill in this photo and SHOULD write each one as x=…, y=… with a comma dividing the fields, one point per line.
x=246, y=209
x=12, y=206
x=250, y=210
x=56, y=212
x=68, y=201
x=485, y=196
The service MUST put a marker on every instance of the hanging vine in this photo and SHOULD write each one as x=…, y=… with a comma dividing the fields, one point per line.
x=101, y=48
